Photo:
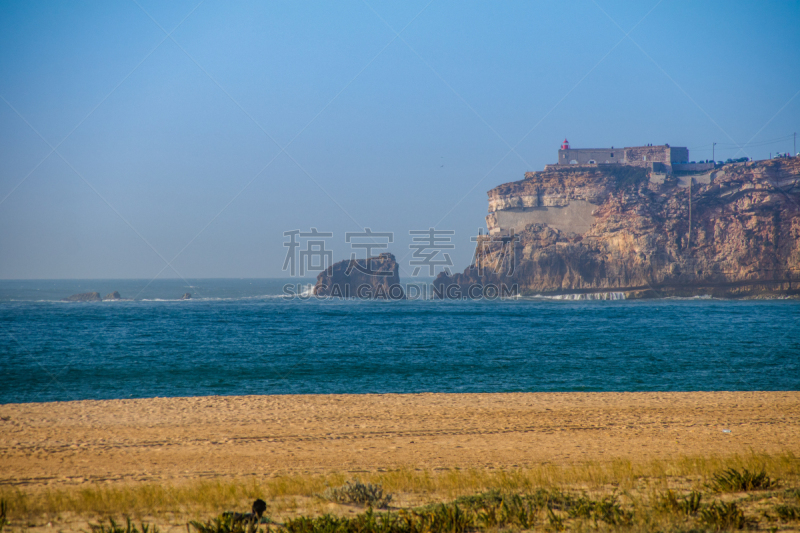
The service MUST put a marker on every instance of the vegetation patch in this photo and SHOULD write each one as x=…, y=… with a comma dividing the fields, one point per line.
x=725, y=516
x=225, y=523
x=731, y=480
x=129, y=527
x=700, y=494
x=790, y=509
x=688, y=505
x=495, y=511
x=358, y=493
x=788, y=512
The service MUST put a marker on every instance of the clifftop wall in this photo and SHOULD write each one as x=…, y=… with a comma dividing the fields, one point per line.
x=632, y=155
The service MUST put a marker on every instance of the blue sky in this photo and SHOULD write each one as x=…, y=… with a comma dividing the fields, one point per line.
x=169, y=148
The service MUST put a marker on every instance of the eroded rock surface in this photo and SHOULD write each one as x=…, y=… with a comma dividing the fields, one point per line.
x=373, y=278
x=736, y=233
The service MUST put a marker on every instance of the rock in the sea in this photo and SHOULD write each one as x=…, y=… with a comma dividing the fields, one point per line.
x=84, y=297
x=373, y=278
x=113, y=296
x=733, y=232
x=186, y=296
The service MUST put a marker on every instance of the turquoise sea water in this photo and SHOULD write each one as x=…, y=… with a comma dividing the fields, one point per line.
x=242, y=337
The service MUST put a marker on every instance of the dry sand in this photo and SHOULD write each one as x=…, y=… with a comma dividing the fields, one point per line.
x=171, y=439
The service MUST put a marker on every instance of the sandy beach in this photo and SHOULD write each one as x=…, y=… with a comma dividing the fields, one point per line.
x=174, y=439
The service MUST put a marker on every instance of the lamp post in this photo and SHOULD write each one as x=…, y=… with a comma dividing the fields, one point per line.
x=713, y=158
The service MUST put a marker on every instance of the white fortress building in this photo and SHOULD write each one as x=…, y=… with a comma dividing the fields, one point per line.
x=658, y=158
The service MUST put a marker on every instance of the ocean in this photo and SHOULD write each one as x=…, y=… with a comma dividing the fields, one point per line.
x=237, y=337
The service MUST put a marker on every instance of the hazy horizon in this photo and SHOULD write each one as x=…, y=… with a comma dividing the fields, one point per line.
x=197, y=133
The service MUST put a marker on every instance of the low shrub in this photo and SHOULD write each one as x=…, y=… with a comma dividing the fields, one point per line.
x=724, y=516
x=687, y=505
x=606, y=510
x=556, y=522
x=731, y=480
x=443, y=518
x=130, y=527
x=225, y=523
x=788, y=512
x=355, y=492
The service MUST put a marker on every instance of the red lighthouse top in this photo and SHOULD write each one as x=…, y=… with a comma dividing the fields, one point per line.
x=565, y=146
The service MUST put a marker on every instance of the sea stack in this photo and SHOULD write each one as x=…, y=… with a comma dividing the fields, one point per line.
x=373, y=278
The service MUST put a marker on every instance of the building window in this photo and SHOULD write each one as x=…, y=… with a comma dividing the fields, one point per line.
x=592, y=162
x=564, y=156
x=644, y=158
x=612, y=154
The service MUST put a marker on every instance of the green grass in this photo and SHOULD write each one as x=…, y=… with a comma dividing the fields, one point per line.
x=671, y=495
x=542, y=509
x=723, y=516
x=224, y=524
x=356, y=492
x=731, y=480
x=788, y=512
x=688, y=504
x=550, y=509
x=789, y=509
x=130, y=527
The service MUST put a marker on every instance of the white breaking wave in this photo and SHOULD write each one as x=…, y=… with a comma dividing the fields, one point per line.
x=213, y=298
x=308, y=291
x=590, y=296
x=695, y=297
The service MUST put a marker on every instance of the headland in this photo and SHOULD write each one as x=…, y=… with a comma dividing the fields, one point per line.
x=643, y=224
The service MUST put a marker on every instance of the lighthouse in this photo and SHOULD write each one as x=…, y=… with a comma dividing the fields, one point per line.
x=565, y=146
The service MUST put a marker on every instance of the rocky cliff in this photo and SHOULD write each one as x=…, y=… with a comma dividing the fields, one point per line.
x=373, y=278
x=730, y=232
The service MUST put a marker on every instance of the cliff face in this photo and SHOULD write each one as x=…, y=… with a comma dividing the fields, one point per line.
x=373, y=278
x=731, y=232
